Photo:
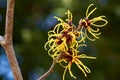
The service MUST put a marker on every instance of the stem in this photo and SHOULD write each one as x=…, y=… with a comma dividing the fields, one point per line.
x=13, y=62
x=6, y=41
x=50, y=69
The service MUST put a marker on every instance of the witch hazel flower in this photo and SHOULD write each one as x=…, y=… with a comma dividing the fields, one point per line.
x=65, y=39
x=91, y=26
x=72, y=56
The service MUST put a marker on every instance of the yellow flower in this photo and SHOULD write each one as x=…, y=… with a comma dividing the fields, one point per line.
x=65, y=39
x=63, y=35
x=89, y=25
x=70, y=57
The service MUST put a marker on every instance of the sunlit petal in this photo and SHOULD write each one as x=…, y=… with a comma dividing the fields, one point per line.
x=69, y=68
x=93, y=34
x=64, y=73
x=88, y=14
x=69, y=15
x=89, y=37
x=97, y=30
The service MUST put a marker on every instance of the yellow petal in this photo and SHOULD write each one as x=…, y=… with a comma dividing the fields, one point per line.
x=88, y=14
x=100, y=18
x=69, y=68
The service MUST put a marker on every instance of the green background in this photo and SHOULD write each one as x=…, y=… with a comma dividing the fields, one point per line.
x=34, y=18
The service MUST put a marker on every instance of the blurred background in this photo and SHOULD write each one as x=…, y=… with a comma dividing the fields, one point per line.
x=34, y=18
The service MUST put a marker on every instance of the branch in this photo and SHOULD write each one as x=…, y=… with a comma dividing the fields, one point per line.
x=50, y=69
x=6, y=41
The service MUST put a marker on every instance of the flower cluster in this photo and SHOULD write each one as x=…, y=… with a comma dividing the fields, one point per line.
x=66, y=38
x=89, y=25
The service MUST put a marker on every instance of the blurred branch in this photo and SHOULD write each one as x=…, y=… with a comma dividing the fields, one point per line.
x=50, y=69
x=6, y=41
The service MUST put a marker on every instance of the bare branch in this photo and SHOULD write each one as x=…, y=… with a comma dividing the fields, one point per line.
x=9, y=20
x=13, y=62
x=6, y=41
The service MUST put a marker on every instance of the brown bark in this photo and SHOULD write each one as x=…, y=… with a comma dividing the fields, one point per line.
x=6, y=41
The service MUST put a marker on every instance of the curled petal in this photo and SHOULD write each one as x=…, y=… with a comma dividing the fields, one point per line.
x=58, y=26
x=88, y=14
x=50, y=52
x=85, y=56
x=69, y=68
x=82, y=35
x=64, y=66
x=53, y=36
x=69, y=16
x=88, y=36
x=93, y=30
x=55, y=54
x=62, y=24
x=81, y=66
x=64, y=73
x=59, y=19
x=97, y=19
x=93, y=34
x=51, y=32
x=78, y=65
x=49, y=43
x=82, y=45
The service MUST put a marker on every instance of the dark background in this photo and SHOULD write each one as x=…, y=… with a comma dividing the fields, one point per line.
x=34, y=18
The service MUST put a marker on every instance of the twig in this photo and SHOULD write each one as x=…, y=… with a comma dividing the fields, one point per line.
x=50, y=69
x=6, y=41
